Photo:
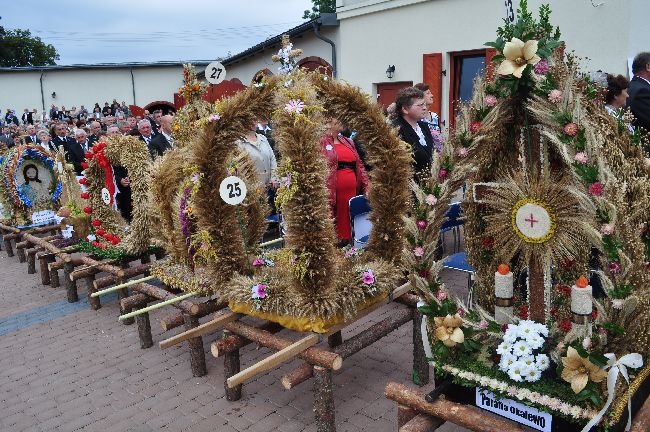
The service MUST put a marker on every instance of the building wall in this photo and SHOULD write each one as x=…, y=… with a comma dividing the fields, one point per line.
x=74, y=87
x=245, y=69
x=379, y=33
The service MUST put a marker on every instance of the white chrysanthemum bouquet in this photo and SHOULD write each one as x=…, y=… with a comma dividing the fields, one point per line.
x=521, y=351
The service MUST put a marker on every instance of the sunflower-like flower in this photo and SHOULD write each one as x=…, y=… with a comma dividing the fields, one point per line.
x=518, y=55
x=579, y=370
x=448, y=330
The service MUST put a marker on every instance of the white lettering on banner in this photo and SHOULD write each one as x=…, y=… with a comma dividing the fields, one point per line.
x=522, y=414
x=43, y=216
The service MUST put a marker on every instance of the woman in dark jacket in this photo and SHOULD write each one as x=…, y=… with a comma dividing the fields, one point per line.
x=410, y=109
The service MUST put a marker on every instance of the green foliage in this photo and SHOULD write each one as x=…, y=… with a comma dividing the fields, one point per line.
x=588, y=173
x=114, y=254
x=590, y=393
x=446, y=307
x=614, y=329
x=620, y=291
x=19, y=48
x=319, y=7
x=611, y=245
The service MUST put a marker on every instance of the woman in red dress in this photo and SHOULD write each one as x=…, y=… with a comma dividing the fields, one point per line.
x=347, y=176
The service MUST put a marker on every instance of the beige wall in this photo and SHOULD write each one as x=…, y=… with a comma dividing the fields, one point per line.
x=245, y=69
x=378, y=33
x=75, y=87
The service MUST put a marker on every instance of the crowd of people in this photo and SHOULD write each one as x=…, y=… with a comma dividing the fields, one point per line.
x=78, y=130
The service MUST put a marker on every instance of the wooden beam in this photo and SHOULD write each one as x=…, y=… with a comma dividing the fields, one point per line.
x=467, y=416
x=155, y=306
x=422, y=423
x=120, y=286
x=130, y=272
x=273, y=360
x=218, y=322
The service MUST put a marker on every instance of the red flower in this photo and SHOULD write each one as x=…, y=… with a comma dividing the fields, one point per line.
x=594, y=314
x=83, y=181
x=614, y=267
x=100, y=232
x=88, y=210
x=474, y=127
x=109, y=236
x=488, y=242
x=596, y=189
x=85, y=195
x=571, y=129
x=442, y=174
x=89, y=155
x=554, y=313
x=565, y=290
x=565, y=325
x=568, y=264
x=115, y=241
x=96, y=222
x=84, y=165
x=422, y=224
x=504, y=327
x=523, y=312
x=425, y=273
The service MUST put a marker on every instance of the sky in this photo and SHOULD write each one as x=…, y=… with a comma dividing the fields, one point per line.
x=118, y=31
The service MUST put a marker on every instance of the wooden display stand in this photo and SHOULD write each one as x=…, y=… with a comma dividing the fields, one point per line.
x=318, y=362
x=415, y=414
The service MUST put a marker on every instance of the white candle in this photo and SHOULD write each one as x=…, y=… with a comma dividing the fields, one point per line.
x=581, y=297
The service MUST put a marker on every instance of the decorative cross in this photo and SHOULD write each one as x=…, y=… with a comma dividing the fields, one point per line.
x=532, y=220
x=286, y=56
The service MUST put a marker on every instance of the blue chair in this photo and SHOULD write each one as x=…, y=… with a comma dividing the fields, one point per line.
x=457, y=261
x=360, y=220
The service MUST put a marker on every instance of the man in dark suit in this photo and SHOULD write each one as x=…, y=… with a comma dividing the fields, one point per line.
x=74, y=152
x=31, y=137
x=95, y=130
x=163, y=141
x=639, y=91
x=6, y=136
x=145, y=133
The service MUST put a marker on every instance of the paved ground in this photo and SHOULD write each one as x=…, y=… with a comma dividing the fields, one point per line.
x=68, y=368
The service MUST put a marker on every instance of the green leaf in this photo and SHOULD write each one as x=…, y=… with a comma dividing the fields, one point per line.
x=426, y=310
x=415, y=377
x=598, y=359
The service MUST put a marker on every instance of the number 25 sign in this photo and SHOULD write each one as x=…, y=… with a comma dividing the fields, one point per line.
x=232, y=190
x=215, y=72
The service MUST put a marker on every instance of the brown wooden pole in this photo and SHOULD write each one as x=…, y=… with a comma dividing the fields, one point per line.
x=404, y=415
x=135, y=301
x=467, y=416
x=144, y=330
x=70, y=285
x=172, y=321
x=95, y=303
x=536, y=286
x=231, y=342
x=323, y=400
x=54, y=278
x=422, y=423
x=641, y=421
x=203, y=308
x=231, y=366
x=43, y=261
x=106, y=281
x=353, y=345
x=31, y=261
x=197, y=354
x=7, y=238
x=161, y=294
x=420, y=363
x=20, y=253
x=313, y=355
x=335, y=339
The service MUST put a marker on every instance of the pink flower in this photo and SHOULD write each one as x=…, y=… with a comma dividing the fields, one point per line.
x=474, y=127
x=614, y=267
x=259, y=291
x=461, y=312
x=607, y=229
x=541, y=68
x=418, y=251
x=586, y=343
x=596, y=189
x=555, y=96
x=462, y=152
x=431, y=200
x=442, y=173
x=602, y=331
x=213, y=118
x=368, y=277
x=350, y=252
x=441, y=295
x=294, y=106
x=491, y=100
x=195, y=177
x=571, y=129
x=580, y=157
x=422, y=224
x=258, y=262
x=482, y=325
x=618, y=303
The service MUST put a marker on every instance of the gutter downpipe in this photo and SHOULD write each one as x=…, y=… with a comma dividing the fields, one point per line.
x=42, y=94
x=132, y=84
x=329, y=41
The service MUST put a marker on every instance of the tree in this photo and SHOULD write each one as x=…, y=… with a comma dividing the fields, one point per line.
x=320, y=6
x=19, y=48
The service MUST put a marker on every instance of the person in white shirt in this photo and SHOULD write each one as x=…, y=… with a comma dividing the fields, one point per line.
x=259, y=149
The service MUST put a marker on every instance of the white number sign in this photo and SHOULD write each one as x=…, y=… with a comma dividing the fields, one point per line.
x=510, y=10
x=215, y=72
x=232, y=190
x=106, y=196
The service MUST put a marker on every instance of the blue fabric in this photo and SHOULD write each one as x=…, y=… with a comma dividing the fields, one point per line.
x=458, y=261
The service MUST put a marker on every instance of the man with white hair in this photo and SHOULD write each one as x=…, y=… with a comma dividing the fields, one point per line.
x=31, y=137
x=164, y=140
x=144, y=128
x=95, y=130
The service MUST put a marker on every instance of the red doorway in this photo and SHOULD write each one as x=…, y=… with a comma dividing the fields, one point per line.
x=387, y=92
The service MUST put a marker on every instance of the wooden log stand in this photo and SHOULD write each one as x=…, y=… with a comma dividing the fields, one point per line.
x=415, y=414
x=319, y=362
